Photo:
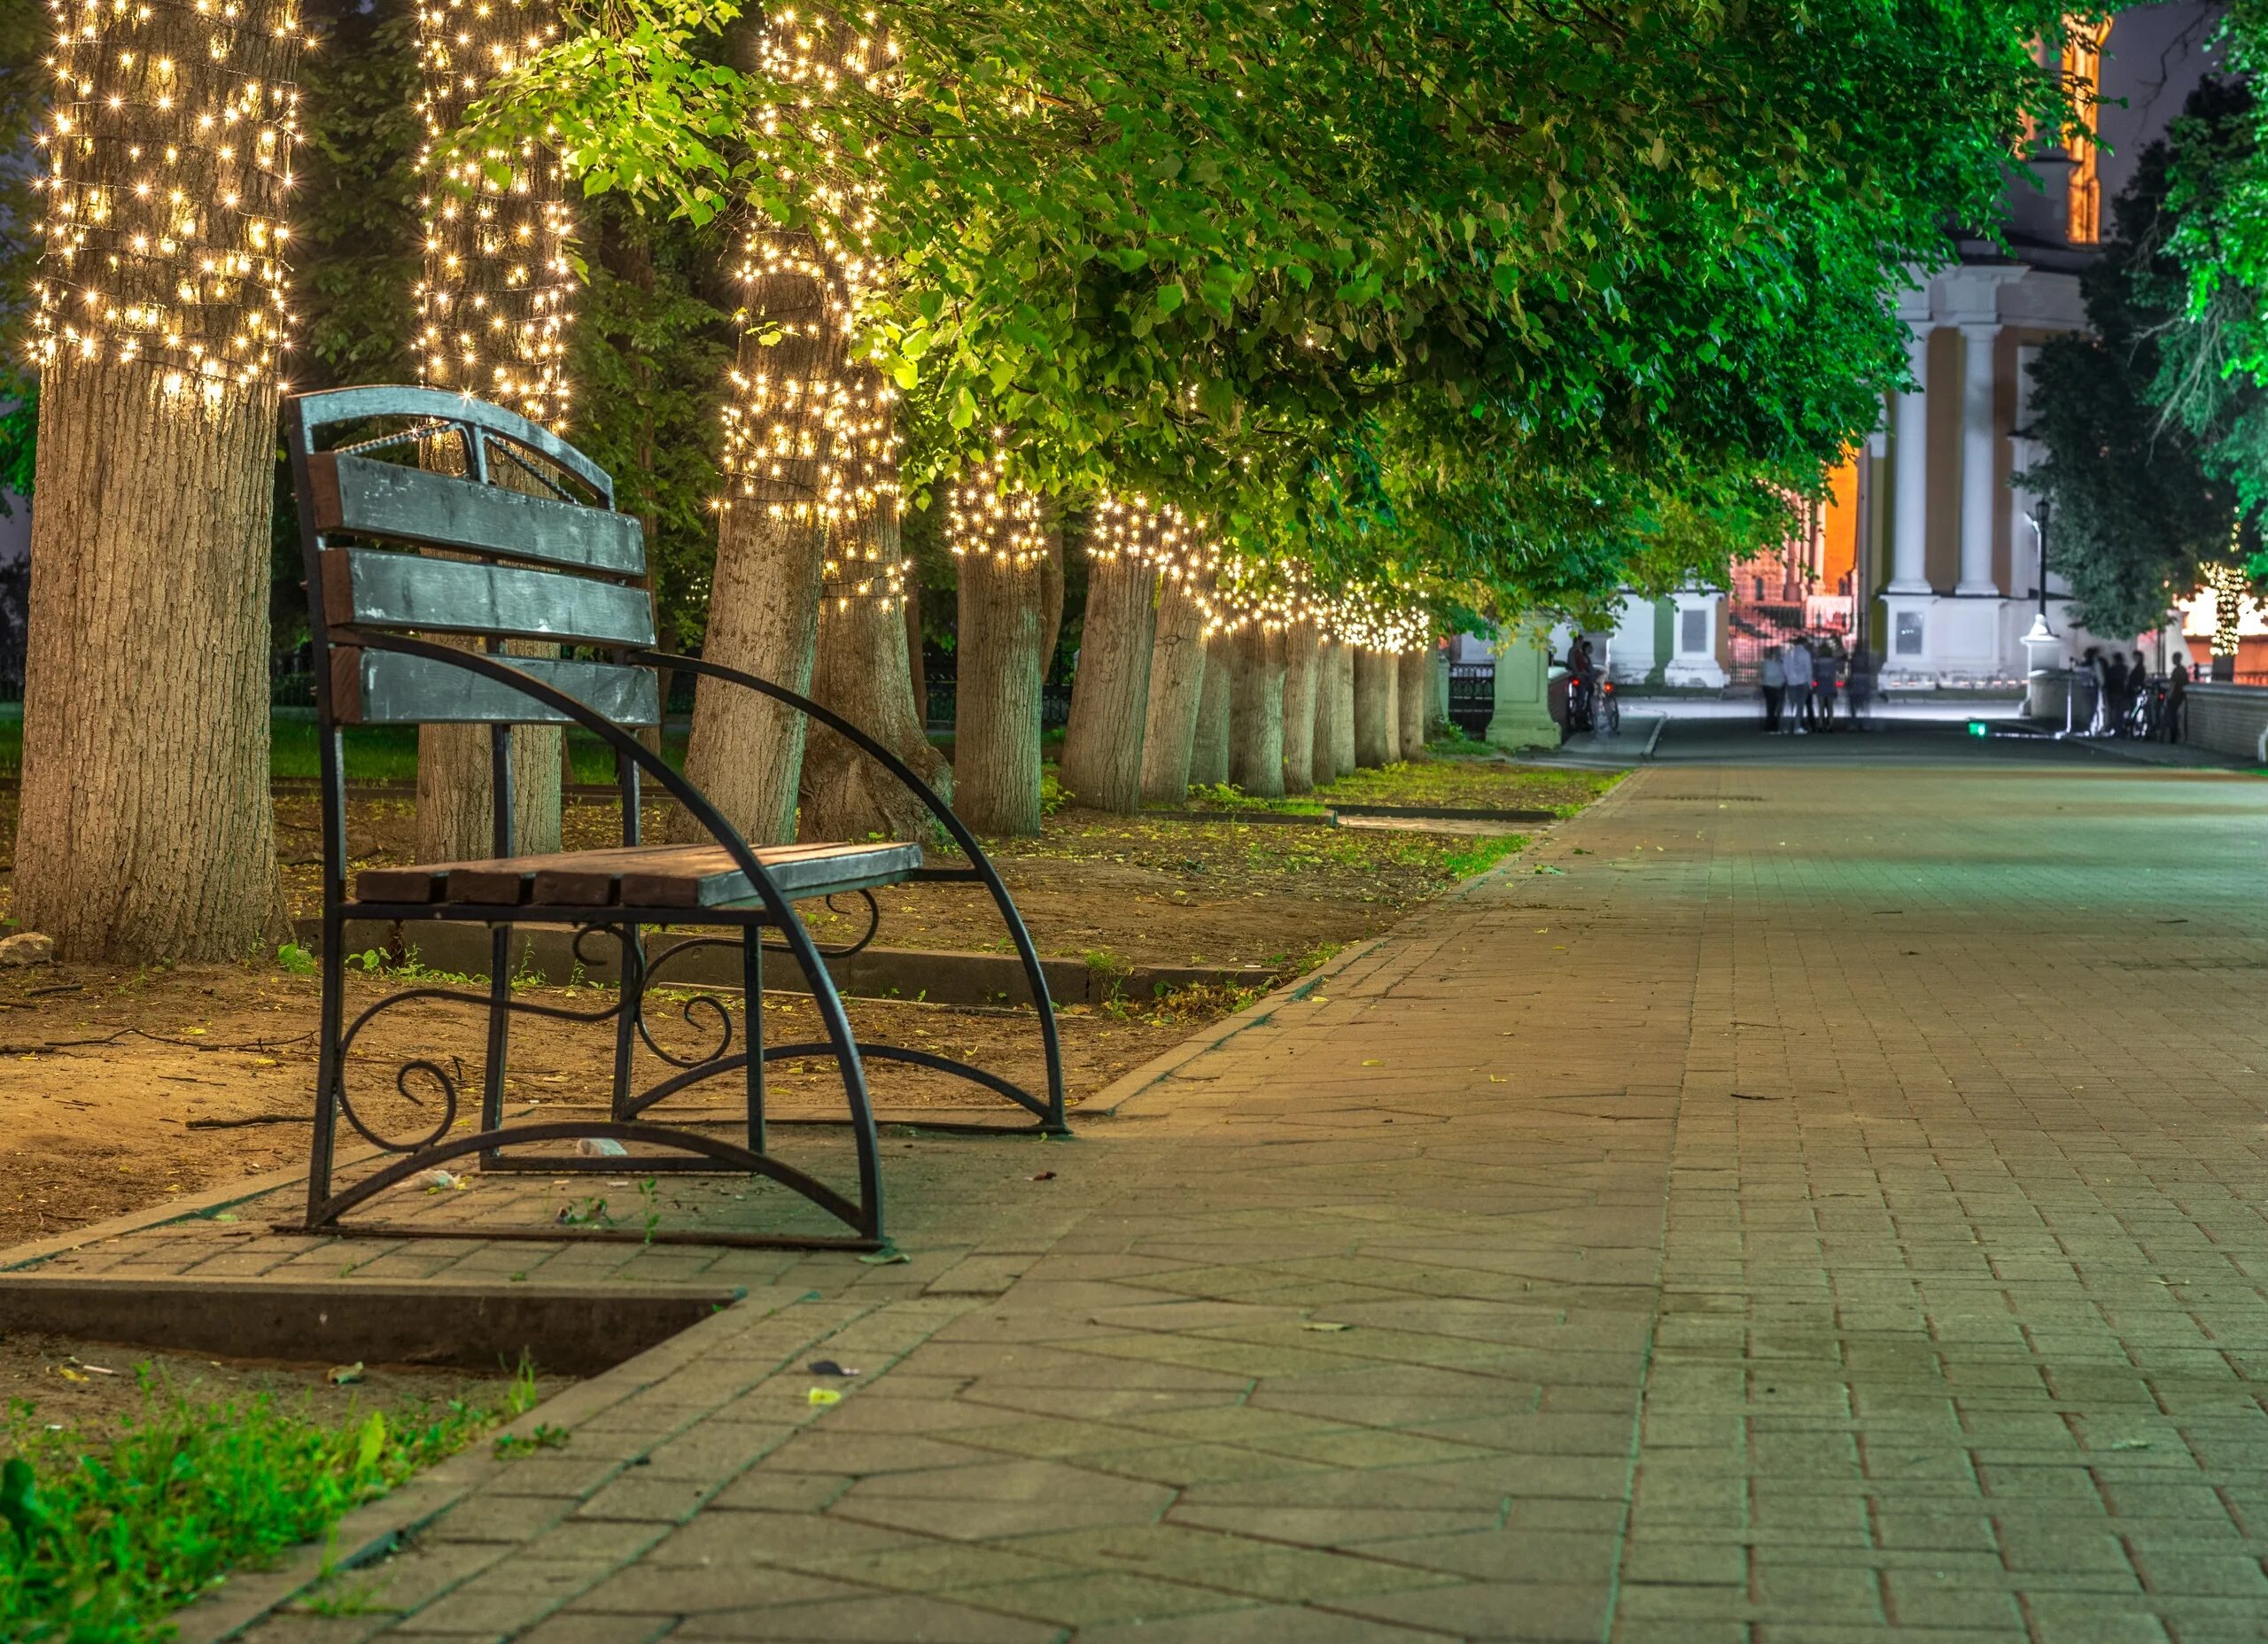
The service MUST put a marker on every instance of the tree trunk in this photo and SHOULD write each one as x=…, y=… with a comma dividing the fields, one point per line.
x=456, y=792
x=1176, y=691
x=1050, y=599
x=1209, y=748
x=1256, y=712
x=1411, y=689
x=915, y=663
x=1102, y=747
x=1302, y=667
x=1376, y=720
x=747, y=751
x=145, y=830
x=863, y=674
x=1334, y=745
x=996, y=710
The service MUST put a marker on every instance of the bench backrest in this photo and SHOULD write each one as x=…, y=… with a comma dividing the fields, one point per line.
x=443, y=517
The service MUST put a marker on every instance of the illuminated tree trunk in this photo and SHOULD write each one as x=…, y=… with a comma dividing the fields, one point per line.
x=996, y=712
x=1110, y=693
x=1376, y=720
x=145, y=831
x=747, y=751
x=1176, y=692
x=1411, y=691
x=1256, y=711
x=145, y=826
x=1208, y=750
x=1302, y=667
x=1050, y=604
x=1342, y=710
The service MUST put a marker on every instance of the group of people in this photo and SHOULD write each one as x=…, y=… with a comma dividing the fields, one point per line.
x=1801, y=679
x=2129, y=702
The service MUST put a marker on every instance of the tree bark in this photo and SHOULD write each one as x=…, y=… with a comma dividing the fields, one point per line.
x=145, y=830
x=1303, y=671
x=1176, y=692
x=1410, y=693
x=1339, y=692
x=863, y=674
x=915, y=661
x=1375, y=734
x=1102, y=747
x=996, y=710
x=1051, y=600
x=1256, y=712
x=747, y=751
x=1209, y=748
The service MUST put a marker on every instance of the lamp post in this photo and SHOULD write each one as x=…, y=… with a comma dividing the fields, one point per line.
x=2040, y=629
x=2042, y=648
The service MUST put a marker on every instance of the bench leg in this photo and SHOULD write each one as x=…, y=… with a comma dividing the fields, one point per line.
x=500, y=1020
x=631, y=978
x=752, y=1010
x=330, y=1016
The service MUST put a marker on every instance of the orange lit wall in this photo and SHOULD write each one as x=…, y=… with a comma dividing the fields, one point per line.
x=1839, y=550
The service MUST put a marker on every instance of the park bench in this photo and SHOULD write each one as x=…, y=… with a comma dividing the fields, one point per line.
x=425, y=514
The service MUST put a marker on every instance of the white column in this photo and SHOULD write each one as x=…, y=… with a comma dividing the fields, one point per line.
x=1978, y=494
x=1910, y=494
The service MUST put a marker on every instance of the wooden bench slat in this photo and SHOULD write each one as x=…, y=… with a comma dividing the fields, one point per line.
x=647, y=876
x=382, y=588
x=388, y=688
x=403, y=504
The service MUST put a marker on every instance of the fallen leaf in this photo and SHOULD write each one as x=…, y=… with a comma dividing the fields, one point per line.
x=345, y=1375
x=824, y=1396
x=884, y=1258
x=1318, y=1324
x=828, y=1367
x=1498, y=1079
x=1045, y=1176
x=1375, y=1061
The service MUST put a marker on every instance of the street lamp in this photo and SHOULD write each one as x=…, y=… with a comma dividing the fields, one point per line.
x=2041, y=631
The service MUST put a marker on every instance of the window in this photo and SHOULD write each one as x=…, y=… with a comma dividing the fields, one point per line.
x=1908, y=642
x=1693, y=632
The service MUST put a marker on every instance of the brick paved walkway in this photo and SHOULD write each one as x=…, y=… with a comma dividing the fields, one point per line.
x=1797, y=1203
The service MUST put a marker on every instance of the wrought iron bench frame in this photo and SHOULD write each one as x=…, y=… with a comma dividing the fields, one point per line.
x=485, y=433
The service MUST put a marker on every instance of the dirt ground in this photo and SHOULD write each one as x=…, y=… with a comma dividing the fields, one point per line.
x=97, y=1388
x=120, y=1088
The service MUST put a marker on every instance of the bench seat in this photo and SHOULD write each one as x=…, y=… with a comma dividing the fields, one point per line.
x=642, y=876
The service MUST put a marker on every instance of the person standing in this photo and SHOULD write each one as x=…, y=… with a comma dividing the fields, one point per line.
x=2140, y=688
x=1859, y=688
x=2101, y=676
x=1774, y=680
x=1826, y=667
x=2177, y=698
x=2114, y=695
x=1795, y=664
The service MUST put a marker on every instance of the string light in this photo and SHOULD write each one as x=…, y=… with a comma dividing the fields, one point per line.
x=987, y=517
x=808, y=438
x=163, y=231
x=494, y=302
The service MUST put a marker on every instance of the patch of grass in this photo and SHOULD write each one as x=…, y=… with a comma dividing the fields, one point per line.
x=1483, y=854
x=105, y=1537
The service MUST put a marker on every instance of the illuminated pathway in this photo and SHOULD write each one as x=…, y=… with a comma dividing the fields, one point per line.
x=1797, y=1202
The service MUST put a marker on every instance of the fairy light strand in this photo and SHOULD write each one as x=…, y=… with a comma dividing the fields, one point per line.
x=807, y=437
x=163, y=228
x=495, y=297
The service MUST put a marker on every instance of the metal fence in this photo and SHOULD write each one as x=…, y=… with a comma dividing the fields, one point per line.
x=942, y=680
x=1472, y=696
